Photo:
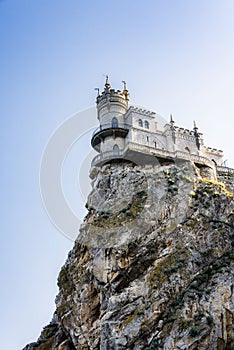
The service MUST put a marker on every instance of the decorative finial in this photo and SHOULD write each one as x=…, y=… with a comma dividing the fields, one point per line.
x=98, y=90
x=125, y=90
x=172, y=122
x=197, y=135
x=125, y=84
x=107, y=85
x=195, y=128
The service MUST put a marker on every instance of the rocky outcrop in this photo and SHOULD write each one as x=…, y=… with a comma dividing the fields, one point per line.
x=152, y=267
x=52, y=337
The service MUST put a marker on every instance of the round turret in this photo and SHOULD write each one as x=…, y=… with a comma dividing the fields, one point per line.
x=112, y=103
x=112, y=106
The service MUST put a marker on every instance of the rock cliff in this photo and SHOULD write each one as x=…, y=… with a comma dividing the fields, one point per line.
x=153, y=265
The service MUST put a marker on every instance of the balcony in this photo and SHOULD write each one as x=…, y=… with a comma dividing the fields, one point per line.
x=106, y=156
x=114, y=130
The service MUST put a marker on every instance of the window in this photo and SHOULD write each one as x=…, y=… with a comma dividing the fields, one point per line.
x=116, y=150
x=114, y=123
x=140, y=123
x=155, y=144
x=146, y=124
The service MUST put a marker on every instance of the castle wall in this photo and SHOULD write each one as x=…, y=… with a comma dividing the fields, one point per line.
x=227, y=179
x=109, y=143
x=215, y=155
x=132, y=118
x=186, y=144
x=145, y=137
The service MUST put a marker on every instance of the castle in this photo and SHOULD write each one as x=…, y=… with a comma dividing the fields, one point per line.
x=132, y=134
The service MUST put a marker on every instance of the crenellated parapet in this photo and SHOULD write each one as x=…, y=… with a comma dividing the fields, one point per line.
x=111, y=102
x=140, y=111
x=214, y=151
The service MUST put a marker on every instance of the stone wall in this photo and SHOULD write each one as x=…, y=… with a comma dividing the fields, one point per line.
x=227, y=179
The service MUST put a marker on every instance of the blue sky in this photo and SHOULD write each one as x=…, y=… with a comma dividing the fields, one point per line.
x=176, y=56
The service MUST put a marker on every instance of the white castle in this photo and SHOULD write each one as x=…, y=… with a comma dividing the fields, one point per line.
x=133, y=134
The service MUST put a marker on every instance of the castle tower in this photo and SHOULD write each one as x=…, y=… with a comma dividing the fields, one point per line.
x=110, y=136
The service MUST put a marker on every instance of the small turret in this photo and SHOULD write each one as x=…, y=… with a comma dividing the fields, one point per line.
x=112, y=103
x=125, y=90
x=112, y=106
x=195, y=128
x=107, y=85
x=172, y=123
x=197, y=136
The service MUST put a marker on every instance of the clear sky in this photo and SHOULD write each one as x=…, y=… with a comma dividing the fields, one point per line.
x=177, y=57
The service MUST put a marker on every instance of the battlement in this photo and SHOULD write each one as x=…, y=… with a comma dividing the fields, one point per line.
x=111, y=94
x=213, y=150
x=184, y=131
x=111, y=103
x=141, y=111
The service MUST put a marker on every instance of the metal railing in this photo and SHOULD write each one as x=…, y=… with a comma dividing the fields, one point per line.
x=146, y=149
x=224, y=169
x=156, y=152
x=106, y=155
x=112, y=126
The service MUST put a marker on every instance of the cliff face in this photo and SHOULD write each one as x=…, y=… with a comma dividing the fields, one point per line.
x=152, y=267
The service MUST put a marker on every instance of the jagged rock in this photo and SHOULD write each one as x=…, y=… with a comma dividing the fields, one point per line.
x=52, y=337
x=152, y=267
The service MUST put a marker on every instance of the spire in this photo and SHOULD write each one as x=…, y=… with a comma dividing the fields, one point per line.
x=195, y=128
x=125, y=90
x=107, y=85
x=98, y=91
x=172, y=122
x=197, y=135
x=125, y=85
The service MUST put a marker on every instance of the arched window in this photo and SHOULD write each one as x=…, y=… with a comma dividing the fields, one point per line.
x=146, y=124
x=116, y=150
x=187, y=149
x=114, y=123
x=140, y=123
